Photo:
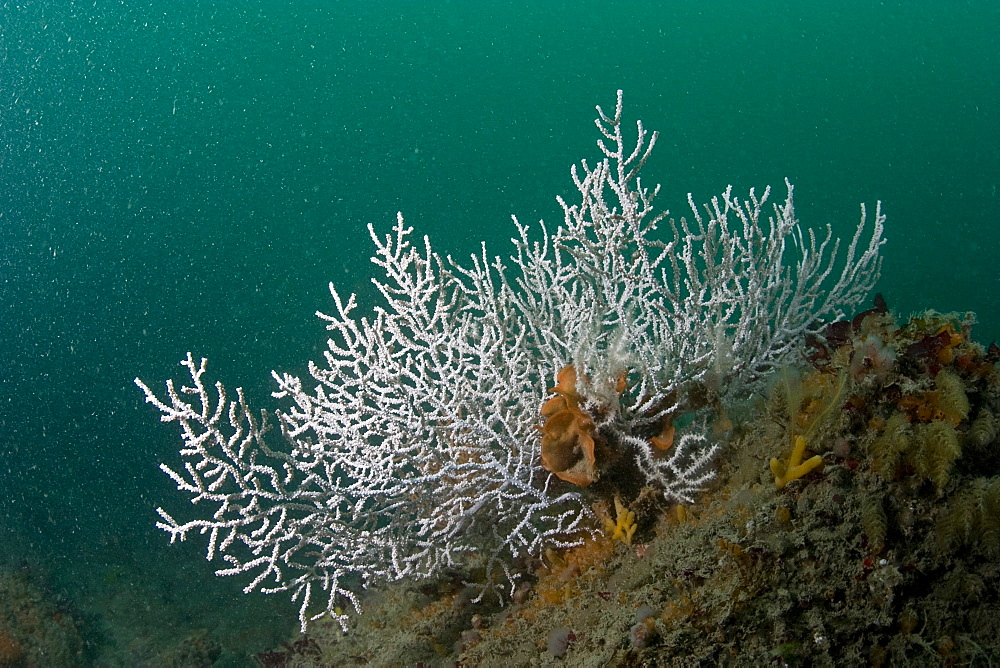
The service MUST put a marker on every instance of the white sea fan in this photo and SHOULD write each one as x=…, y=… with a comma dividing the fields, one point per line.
x=414, y=444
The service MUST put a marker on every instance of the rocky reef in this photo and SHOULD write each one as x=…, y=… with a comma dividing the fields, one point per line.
x=855, y=520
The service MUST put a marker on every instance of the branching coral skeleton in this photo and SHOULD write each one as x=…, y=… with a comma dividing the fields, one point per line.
x=414, y=445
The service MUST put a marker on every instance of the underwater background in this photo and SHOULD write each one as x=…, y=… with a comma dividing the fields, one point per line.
x=181, y=176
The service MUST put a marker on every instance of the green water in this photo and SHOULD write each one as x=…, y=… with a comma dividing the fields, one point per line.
x=183, y=176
